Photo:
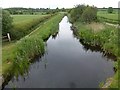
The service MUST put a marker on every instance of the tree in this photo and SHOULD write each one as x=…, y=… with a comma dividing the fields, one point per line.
x=83, y=13
x=110, y=10
x=6, y=22
x=76, y=12
x=63, y=9
x=89, y=15
x=57, y=9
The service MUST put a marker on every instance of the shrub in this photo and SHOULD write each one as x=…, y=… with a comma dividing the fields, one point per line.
x=110, y=10
x=6, y=22
x=76, y=12
x=83, y=13
x=89, y=15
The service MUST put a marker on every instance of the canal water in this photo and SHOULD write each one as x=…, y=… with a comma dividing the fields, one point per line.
x=66, y=64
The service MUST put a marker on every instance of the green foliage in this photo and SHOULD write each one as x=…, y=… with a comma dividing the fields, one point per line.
x=110, y=10
x=83, y=13
x=76, y=12
x=6, y=22
x=107, y=39
x=89, y=15
x=26, y=49
x=23, y=11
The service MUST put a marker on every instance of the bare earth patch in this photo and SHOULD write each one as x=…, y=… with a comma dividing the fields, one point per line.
x=96, y=27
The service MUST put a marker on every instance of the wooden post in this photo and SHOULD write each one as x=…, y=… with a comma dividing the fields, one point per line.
x=8, y=35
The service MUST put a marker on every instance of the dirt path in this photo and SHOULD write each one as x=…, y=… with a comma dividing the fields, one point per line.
x=115, y=25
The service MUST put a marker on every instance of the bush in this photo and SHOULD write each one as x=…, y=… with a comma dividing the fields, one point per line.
x=89, y=15
x=76, y=12
x=6, y=22
x=83, y=13
x=110, y=10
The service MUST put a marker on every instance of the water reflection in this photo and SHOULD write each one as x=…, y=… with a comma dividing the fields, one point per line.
x=97, y=48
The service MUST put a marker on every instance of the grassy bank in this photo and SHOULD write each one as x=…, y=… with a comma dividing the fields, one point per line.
x=98, y=34
x=17, y=56
x=24, y=24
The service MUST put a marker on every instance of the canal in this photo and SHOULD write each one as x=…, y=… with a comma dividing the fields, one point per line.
x=66, y=64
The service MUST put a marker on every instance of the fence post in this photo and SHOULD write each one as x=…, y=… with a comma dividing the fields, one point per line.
x=8, y=35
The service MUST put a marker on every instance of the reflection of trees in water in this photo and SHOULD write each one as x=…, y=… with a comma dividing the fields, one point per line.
x=44, y=57
x=97, y=48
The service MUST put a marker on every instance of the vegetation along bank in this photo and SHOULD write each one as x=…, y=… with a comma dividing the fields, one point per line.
x=20, y=54
x=91, y=31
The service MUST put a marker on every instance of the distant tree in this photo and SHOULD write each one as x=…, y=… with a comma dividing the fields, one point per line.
x=110, y=10
x=6, y=22
x=57, y=9
x=63, y=9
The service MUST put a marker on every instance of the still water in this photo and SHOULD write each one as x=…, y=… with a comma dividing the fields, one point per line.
x=66, y=64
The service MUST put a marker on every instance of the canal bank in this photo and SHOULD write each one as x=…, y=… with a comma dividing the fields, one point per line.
x=106, y=38
x=66, y=64
x=23, y=51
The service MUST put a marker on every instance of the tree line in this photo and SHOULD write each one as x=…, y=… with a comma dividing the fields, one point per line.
x=32, y=11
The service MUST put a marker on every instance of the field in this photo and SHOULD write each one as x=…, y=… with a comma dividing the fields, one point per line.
x=26, y=48
x=25, y=18
x=108, y=17
x=24, y=24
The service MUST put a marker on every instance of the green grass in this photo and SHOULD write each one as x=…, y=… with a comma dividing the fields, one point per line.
x=104, y=16
x=25, y=18
x=16, y=56
x=109, y=16
x=24, y=24
x=105, y=11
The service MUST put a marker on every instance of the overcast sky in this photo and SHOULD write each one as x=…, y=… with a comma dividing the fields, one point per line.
x=56, y=3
